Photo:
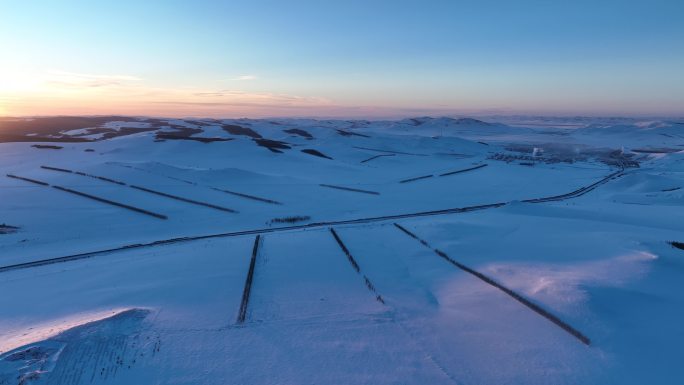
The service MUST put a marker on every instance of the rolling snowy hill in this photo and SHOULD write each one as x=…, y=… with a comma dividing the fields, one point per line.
x=289, y=251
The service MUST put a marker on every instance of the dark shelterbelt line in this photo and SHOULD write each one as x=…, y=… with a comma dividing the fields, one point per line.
x=242, y=313
x=518, y=297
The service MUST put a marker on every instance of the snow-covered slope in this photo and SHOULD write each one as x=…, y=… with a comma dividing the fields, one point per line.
x=289, y=251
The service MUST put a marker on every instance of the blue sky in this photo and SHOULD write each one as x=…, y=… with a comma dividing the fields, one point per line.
x=344, y=58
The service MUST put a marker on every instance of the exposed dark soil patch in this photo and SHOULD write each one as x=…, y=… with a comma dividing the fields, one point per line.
x=173, y=136
x=109, y=133
x=7, y=229
x=52, y=129
x=47, y=147
x=239, y=130
x=179, y=133
x=300, y=132
x=49, y=129
x=292, y=219
x=451, y=121
x=671, y=189
x=25, y=138
x=54, y=125
x=679, y=245
x=316, y=153
x=273, y=145
x=349, y=133
x=89, y=150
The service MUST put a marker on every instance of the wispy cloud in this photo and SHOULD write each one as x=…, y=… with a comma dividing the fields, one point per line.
x=58, y=92
x=234, y=97
x=63, y=92
x=244, y=78
x=79, y=80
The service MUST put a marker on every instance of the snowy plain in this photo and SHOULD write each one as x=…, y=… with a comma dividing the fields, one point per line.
x=425, y=250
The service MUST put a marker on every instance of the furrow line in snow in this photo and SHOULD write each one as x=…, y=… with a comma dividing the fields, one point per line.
x=242, y=314
x=515, y=295
x=356, y=267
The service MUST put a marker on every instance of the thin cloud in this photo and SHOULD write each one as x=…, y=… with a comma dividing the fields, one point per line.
x=65, y=79
x=245, y=78
x=253, y=98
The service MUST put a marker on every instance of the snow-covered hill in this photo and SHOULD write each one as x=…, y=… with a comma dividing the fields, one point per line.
x=289, y=251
